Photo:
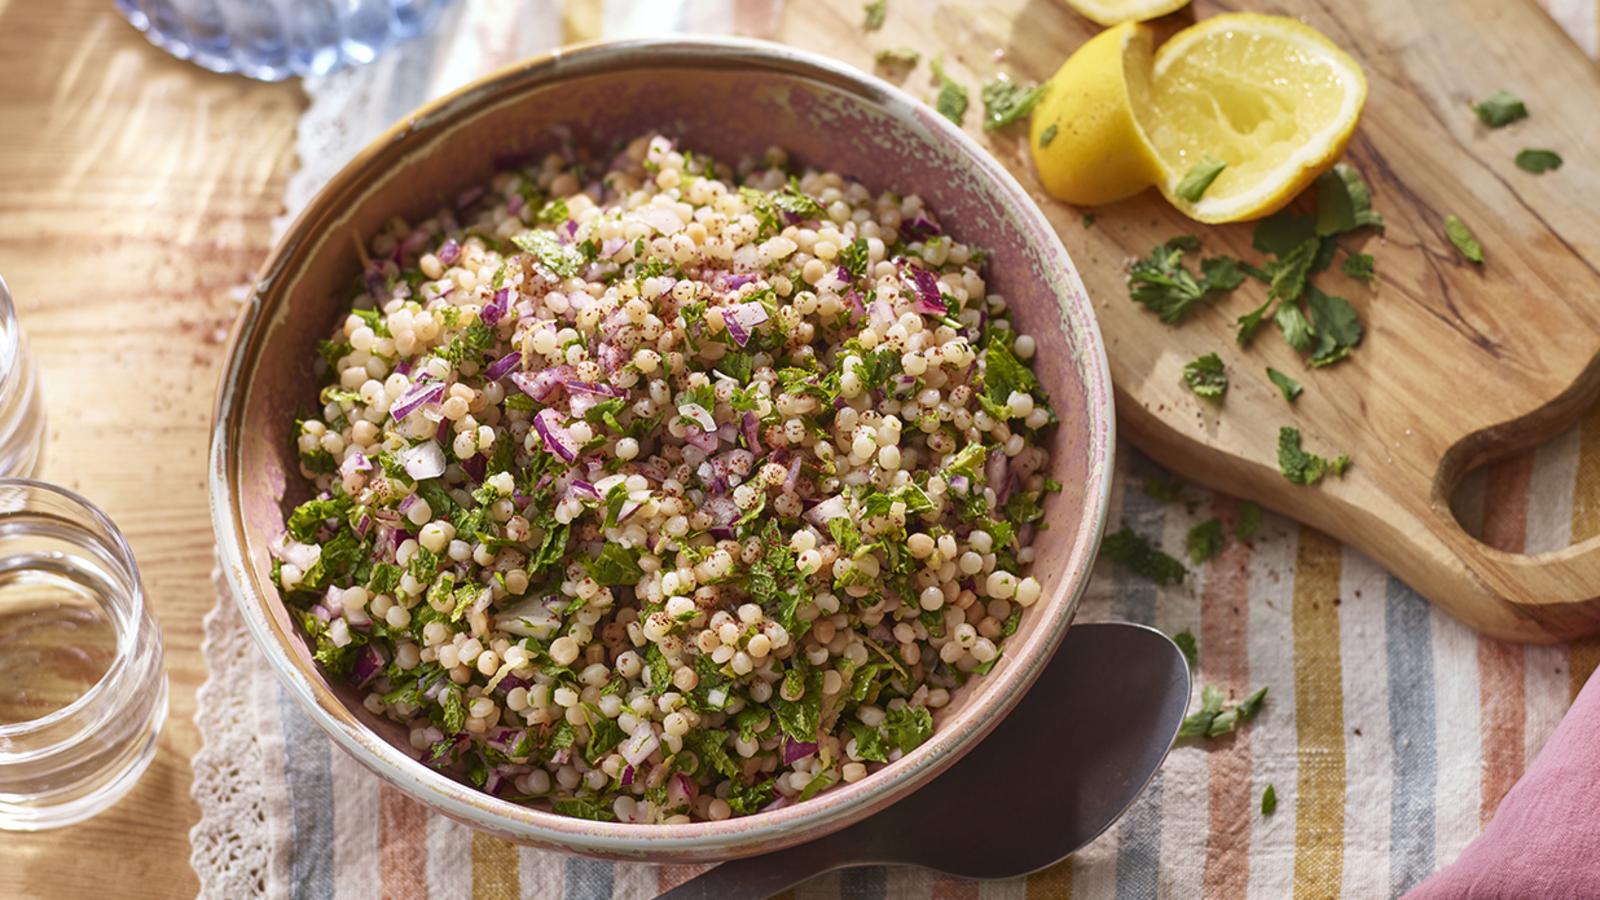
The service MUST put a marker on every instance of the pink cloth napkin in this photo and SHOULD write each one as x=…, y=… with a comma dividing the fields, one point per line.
x=1544, y=840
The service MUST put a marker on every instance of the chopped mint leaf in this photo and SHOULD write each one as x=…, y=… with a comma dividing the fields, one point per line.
x=1287, y=274
x=1269, y=801
x=1135, y=552
x=1186, y=642
x=1198, y=723
x=1295, y=326
x=1301, y=467
x=1359, y=266
x=1338, y=330
x=1204, y=541
x=1005, y=101
x=744, y=800
x=800, y=718
x=616, y=565
x=1045, y=137
x=795, y=202
x=1248, y=523
x=309, y=516
x=952, y=99
x=1283, y=231
x=1167, y=288
x=1344, y=202
x=1538, y=161
x=1460, y=235
x=875, y=13
x=560, y=259
x=906, y=728
x=854, y=257
x=869, y=741
x=1500, y=109
x=1251, y=322
x=1206, y=377
x=1197, y=180
x=897, y=56
x=594, y=809
x=1291, y=388
x=553, y=213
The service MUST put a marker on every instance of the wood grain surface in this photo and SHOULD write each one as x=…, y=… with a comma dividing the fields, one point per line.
x=136, y=192
x=1461, y=363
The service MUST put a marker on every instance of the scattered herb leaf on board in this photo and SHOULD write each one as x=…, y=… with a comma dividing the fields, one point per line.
x=1206, y=377
x=1500, y=109
x=1460, y=235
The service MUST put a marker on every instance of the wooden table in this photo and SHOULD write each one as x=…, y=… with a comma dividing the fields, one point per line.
x=136, y=192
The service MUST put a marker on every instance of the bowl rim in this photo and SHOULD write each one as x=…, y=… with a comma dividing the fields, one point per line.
x=759, y=832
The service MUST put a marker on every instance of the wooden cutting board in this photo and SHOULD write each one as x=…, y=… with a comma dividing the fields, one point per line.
x=1460, y=365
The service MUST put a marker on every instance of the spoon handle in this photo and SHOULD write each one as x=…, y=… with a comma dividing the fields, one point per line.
x=760, y=877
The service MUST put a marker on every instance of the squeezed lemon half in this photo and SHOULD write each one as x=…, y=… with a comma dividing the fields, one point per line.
x=1115, y=12
x=1270, y=98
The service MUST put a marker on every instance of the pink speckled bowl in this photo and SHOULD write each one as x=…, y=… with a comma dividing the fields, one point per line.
x=727, y=98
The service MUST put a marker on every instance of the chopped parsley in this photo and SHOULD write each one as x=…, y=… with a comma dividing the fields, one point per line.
x=1186, y=643
x=1461, y=236
x=1338, y=329
x=1248, y=523
x=875, y=13
x=1212, y=720
x=1359, y=266
x=1500, y=109
x=897, y=56
x=1269, y=801
x=1197, y=180
x=563, y=260
x=1538, y=161
x=1290, y=388
x=1206, y=377
x=616, y=565
x=951, y=101
x=1167, y=490
x=1204, y=541
x=1167, y=288
x=1135, y=552
x=1045, y=137
x=1005, y=101
x=1301, y=467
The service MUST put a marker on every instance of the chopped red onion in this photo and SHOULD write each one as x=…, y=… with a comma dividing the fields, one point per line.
x=995, y=468
x=742, y=319
x=857, y=307
x=610, y=246
x=514, y=205
x=475, y=466
x=449, y=252
x=639, y=745
x=503, y=366
x=722, y=532
x=556, y=437
x=363, y=526
x=406, y=503
x=403, y=366
x=752, y=432
x=794, y=473
x=626, y=778
x=795, y=750
x=929, y=300
x=579, y=486
x=417, y=396
x=663, y=220
x=368, y=664
x=414, y=241
x=495, y=309
x=629, y=507
x=681, y=791
x=571, y=228
x=423, y=461
x=355, y=462
x=920, y=228
x=881, y=313
x=702, y=440
x=700, y=416
x=543, y=384
x=832, y=508
x=734, y=282
x=470, y=196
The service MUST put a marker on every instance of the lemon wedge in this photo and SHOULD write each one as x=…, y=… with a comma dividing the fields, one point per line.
x=1269, y=100
x=1115, y=12
x=1086, y=145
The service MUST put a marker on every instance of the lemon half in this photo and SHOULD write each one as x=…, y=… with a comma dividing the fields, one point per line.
x=1269, y=96
x=1115, y=12
x=1086, y=144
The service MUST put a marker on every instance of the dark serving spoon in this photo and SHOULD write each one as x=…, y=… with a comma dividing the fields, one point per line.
x=1083, y=743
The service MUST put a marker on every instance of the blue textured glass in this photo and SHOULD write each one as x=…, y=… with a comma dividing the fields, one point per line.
x=275, y=39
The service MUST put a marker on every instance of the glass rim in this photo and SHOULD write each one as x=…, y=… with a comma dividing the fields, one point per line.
x=124, y=553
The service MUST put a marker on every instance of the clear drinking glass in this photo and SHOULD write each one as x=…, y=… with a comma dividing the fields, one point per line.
x=273, y=39
x=82, y=690
x=21, y=406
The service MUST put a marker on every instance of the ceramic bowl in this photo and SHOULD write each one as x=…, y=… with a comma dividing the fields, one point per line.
x=728, y=98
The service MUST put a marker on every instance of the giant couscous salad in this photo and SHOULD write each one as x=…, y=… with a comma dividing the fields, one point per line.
x=659, y=491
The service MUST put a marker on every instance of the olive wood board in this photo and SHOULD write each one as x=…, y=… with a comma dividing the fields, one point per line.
x=1460, y=365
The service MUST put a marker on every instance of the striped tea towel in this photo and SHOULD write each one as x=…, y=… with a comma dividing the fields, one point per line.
x=1390, y=732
